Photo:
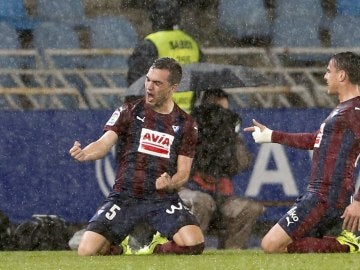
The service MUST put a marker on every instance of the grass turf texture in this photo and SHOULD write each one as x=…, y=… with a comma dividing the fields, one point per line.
x=211, y=259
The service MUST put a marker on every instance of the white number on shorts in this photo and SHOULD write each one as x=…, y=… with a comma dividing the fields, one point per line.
x=112, y=212
x=174, y=207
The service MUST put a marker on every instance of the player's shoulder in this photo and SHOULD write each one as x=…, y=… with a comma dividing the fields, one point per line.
x=183, y=116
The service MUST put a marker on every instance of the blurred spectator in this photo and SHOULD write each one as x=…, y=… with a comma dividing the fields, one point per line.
x=165, y=40
x=220, y=154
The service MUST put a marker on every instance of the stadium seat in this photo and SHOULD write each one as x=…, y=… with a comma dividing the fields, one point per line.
x=51, y=35
x=14, y=12
x=348, y=7
x=345, y=31
x=66, y=11
x=113, y=32
x=296, y=23
x=9, y=40
x=110, y=33
x=243, y=19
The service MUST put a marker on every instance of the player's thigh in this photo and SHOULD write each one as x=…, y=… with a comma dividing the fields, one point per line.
x=170, y=216
x=304, y=216
x=114, y=220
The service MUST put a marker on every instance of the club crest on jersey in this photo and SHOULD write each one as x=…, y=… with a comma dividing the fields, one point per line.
x=155, y=143
x=175, y=128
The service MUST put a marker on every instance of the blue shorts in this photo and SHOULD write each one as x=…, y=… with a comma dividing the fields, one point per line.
x=310, y=216
x=117, y=217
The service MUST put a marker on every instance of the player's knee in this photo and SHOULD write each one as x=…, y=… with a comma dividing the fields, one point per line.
x=269, y=245
x=85, y=251
x=197, y=249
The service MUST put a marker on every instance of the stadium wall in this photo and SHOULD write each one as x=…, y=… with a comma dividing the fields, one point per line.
x=38, y=176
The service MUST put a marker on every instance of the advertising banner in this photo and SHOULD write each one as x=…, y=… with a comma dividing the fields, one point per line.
x=38, y=176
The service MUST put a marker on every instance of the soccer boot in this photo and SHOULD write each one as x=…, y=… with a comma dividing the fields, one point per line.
x=125, y=246
x=149, y=249
x=349, y=239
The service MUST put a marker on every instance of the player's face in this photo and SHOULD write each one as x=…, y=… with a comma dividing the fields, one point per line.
x=223, y=103
x=332, y=78
x=158, y=91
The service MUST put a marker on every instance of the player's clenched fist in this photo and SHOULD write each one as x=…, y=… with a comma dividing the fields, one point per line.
x=76, y=152
x=164, y=182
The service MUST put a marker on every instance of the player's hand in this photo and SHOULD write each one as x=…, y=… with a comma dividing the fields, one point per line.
x=260, y=133
x=76, y=152
x=163, y=182
x=351, y=217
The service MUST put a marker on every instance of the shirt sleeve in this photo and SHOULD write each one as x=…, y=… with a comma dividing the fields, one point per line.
x=119, y=120
x=297, y=140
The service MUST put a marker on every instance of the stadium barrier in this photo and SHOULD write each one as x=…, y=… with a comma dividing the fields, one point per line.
x=38, y=176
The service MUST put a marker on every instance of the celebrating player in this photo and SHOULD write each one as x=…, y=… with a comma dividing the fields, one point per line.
x=159, y=142
x=327, y=201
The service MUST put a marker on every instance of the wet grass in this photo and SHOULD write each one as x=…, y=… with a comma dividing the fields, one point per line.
x=211, y=259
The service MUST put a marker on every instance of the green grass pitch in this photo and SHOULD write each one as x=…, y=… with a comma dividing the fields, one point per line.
x=210, y=259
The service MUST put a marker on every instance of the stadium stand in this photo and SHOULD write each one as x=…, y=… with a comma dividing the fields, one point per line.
x=348, y=7
x=56, y=35
x=9, y=40
x=345, y=31
x=244, y=19
x=14, y=12
x=71, y=12
x=98, y=83
x=297, y=24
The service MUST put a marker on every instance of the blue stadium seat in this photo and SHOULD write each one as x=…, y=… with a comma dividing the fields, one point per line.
x=296, y=23
x=348, y=7
x=66, y=11
x=345, y=31
x=51, y=35
x=14, y=12
x=244, y=19
x=110, y=33
x=8, y=40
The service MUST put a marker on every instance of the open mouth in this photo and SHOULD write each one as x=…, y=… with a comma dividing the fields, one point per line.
x=149, y=96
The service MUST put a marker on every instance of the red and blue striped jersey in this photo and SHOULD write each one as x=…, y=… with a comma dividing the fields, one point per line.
x=336, y=153
x=151, y=144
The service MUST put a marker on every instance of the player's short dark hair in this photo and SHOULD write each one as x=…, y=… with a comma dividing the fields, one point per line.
x=350, y=63
x=172, y=65
x=213, y=95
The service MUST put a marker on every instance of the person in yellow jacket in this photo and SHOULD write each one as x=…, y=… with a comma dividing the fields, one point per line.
x=166, y=40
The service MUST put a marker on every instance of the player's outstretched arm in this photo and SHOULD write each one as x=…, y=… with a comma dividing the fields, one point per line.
x=95, y=150
x=260, y=133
